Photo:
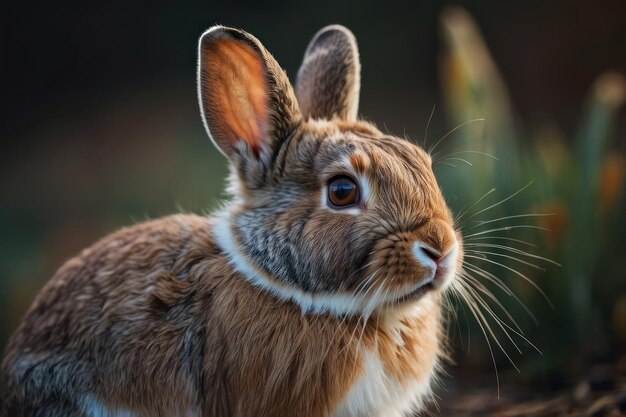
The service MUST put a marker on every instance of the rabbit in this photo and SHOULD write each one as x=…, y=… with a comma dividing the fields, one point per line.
x=315, y=291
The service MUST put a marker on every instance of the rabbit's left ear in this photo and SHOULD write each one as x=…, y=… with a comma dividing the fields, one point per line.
x=329, y=79
x=245, y=97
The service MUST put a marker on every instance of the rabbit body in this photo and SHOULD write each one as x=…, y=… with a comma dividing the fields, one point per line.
x=153, y=321
x=315, y=292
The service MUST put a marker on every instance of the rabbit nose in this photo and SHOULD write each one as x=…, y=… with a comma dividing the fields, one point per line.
x=440, y=259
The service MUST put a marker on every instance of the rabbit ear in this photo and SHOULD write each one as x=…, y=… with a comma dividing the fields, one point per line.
x=244, y=94
x=329, y=78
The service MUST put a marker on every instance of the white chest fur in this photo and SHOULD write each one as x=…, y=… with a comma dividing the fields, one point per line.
x=377, y=394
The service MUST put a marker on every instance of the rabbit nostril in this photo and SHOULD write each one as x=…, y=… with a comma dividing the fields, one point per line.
x=425, y=254
x=432, y=254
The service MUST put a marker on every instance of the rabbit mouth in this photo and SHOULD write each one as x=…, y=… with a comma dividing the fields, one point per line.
x=424, y=287
x=416, y=294
x=432, y=283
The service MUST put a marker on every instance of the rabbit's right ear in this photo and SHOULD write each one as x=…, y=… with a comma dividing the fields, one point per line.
x=329, y=79
x=245, y=97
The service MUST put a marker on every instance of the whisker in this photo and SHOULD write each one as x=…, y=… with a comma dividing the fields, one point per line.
x=498, y=282
x=505, y=327
x=473, y=205
x=462, y=152
x=503, y=200
x=500, y=238
x=477, y=302
x=507, y=228
x=504, y=323
x=516, y=272
x=488, y=276
x=454, y=159
x=481, y=302
x=432, y=148
x=517, y=216
x=502, y=255
x=451, y=311
x=482, y=288
x=448, y=164
x=428, y=124
x=461, y=302
x=512, y=249
x=466, y=298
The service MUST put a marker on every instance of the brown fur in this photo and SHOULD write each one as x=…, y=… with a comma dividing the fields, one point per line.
x=171, y=309
x=331, y=60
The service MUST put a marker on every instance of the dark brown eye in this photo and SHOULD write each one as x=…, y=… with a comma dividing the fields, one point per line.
x=343, y=192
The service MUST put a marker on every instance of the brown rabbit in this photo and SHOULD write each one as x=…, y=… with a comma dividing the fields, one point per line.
x=315, y=292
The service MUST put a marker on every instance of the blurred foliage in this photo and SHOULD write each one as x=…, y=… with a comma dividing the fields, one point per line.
x=551, y=200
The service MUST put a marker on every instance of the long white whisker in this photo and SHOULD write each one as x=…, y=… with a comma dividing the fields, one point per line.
x=459, y=297
x=502, y=255
x=463, y=213
x=482, y=288
x=498, y=321
x=428, y=124
x=510, y=239
x=504, y=323
x=517, y=216
x=477, y=302
x=466, y=297
x=451, y=311
x=516, y=272
x=489, y=277
x=476, y=152
x=507, y=228
x=432, y=148
x=513, y=250
x=448, y=164
x=455, y=159
x=502, y=201
x=498, y=282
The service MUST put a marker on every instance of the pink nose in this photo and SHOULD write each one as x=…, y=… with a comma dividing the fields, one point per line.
x=440, y=259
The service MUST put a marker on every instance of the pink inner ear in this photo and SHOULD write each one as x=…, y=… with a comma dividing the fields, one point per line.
x=234, y=93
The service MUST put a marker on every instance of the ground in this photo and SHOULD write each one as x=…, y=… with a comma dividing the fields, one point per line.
x=601, y=393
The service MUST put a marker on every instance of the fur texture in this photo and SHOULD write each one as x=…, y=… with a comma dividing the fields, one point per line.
x=279, y=305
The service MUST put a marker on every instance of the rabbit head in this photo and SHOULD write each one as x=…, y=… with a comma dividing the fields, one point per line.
x=327, y=211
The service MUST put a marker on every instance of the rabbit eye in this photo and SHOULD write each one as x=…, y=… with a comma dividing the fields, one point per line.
x=343, y=192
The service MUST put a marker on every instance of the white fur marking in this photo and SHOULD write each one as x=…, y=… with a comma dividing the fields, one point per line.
x=336, y=304
x=377, y=394
x=366, y=194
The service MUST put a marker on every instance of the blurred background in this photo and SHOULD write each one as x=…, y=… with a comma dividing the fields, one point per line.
x=100, y=129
